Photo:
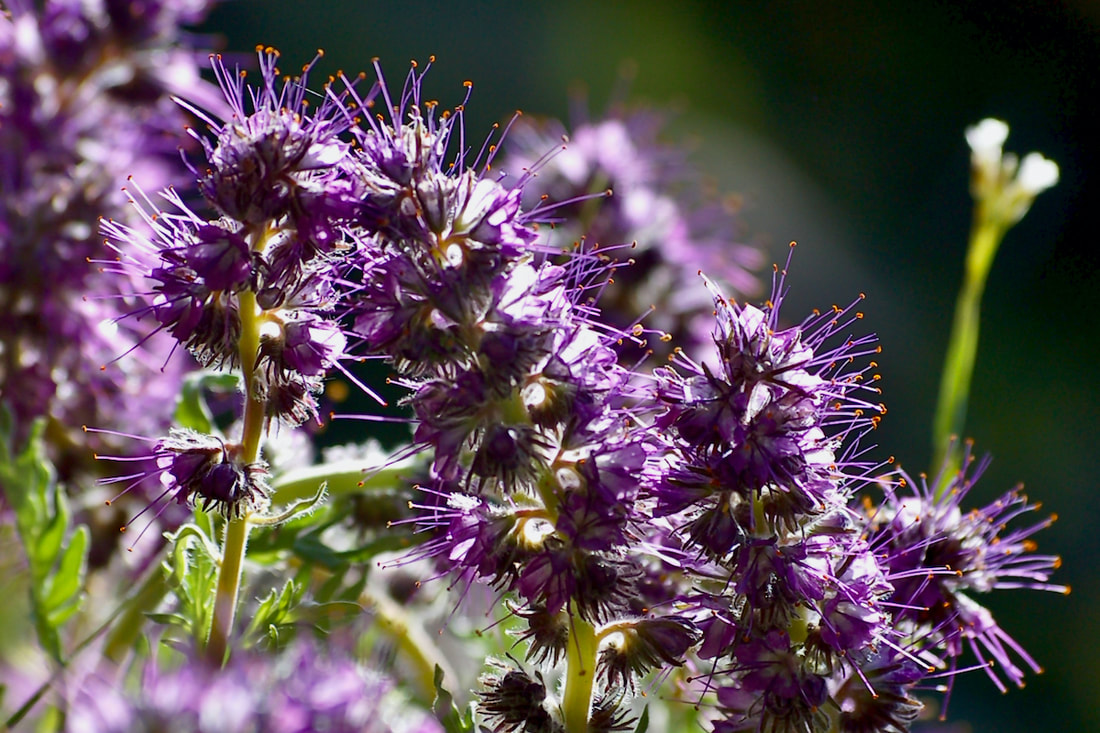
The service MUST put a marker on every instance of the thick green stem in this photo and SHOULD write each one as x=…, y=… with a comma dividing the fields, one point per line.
x=958, y=369
x=580, y=675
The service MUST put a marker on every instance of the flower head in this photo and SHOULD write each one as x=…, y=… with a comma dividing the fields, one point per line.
x=939, y=558
x=1003, y=185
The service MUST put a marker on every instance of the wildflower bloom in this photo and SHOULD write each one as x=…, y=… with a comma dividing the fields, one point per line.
x=84, y=102
x=617, y=186
x=196, y=469
x=764, y=460
x=1004, y=185
x=275, y=154
x=538, y=450
x=938, y=558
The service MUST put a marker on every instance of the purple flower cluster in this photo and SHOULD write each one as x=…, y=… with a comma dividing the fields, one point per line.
x=616, y=186
x=709, y=513
x=253, y=289
x=84, y=102
x=301, y=690
x=539, y=452
x=706, y=515
x=938, y=557
x=815, y=615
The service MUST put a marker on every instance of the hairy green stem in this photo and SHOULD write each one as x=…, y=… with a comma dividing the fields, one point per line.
x=580, y=674
x=236, y=531
x=958, y=369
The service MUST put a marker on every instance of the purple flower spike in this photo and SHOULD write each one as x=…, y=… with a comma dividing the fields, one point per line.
x=274, y=155
x=938, y=557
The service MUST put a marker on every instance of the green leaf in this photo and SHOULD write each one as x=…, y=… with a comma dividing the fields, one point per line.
x=191, y=571
x=43, y=521
x=70, y=572
x=49, y=541
x=445, y=709
x=192, y=411
x=643, y=722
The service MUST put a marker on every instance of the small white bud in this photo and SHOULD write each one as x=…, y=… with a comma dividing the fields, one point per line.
x=1037, y=173
x=987, y=138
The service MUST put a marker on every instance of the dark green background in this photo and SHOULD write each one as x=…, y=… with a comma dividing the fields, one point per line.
x=841, y=124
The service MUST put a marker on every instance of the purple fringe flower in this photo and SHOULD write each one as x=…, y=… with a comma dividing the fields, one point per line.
x=938, y=557
x=84, y=102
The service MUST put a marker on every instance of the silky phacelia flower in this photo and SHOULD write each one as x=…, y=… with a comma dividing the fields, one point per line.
x=277, y=171
x=84, y=102
x=201, y=470
x=939, y=557
x=763, y=429
x=540, y=440
x=300, y=690
x=659, y=217
x=763, y=462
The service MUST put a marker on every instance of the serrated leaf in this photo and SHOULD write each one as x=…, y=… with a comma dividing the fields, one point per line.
x=42, y=520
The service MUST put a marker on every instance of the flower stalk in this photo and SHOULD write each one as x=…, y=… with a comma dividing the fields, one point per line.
x=1003, y=189
x=580, y=674
x=237, y=529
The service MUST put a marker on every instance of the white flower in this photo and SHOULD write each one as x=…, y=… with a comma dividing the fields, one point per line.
x=1003, y=185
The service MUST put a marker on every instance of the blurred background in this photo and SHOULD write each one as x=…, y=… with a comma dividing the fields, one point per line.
x=840, y=125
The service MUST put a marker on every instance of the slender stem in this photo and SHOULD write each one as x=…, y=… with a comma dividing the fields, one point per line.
x=414, y=642
x=236, y=530
x=958, y=369
x=580, y=674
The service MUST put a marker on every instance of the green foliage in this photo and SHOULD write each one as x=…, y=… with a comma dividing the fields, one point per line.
x=444, y=708
x=283, y=612
x=191, y=568
x=56, y=552
x=192, y=410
